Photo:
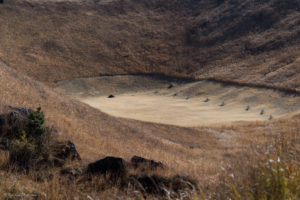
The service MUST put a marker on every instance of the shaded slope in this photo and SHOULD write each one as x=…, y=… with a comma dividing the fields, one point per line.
x=243, y=41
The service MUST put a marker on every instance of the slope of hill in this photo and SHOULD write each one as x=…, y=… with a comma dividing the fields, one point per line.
x=252, y=42
x=196, y=151
x=96, y=134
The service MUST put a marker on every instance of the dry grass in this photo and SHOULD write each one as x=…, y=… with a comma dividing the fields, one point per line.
x=75, y=39
x=254, y=43
x=16, y=186
x=200, y=152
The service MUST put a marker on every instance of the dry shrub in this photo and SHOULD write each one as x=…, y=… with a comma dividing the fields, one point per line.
x=272, y=176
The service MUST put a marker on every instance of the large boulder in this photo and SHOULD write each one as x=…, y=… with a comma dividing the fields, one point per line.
x=110, y=165
x=140, y=162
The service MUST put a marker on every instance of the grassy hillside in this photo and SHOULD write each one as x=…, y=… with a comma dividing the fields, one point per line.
x=248, y=42
x=243, y=41
x=204, y=152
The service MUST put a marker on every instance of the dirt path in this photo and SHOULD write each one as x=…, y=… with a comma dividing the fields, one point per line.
x=180, y=102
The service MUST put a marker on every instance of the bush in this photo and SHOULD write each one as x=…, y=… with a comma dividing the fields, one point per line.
x=28, y=149
x=35, y=126
x=22, y=153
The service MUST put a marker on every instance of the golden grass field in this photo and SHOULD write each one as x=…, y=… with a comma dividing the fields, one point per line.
x=75, y=39
x=149, y=98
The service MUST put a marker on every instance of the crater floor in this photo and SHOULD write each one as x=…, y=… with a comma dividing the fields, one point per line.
x=180, y=102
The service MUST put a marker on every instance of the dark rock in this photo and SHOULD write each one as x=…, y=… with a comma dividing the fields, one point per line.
x=111, y=96
x=170, y=86
x=61, y=152
x=149, y=184
x=66, y=150
x=138, y=186
x=13, y=121
x=23, y=111
x=247, y=108
x=137, y=161
x=110, y=165
x=70, y=151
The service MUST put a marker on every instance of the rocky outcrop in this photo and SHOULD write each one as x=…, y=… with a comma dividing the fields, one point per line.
x=110, y=165
x=160, y=186
x=31, y=151
x=65, y=150
x=140, y=162
x=31, y=145
x=11, y=122
x=62, y=152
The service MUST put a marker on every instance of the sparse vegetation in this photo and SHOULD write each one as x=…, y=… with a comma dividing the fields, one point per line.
x=241, y=41
x=33, y=149
x=200, y=152
x=257, y=47
x=276, y=178
x=26, y=138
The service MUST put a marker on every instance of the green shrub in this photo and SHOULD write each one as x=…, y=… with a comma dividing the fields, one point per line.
x=28, y=149
x=35, y=126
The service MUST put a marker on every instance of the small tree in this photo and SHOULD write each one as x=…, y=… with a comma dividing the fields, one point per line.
x=35, y=126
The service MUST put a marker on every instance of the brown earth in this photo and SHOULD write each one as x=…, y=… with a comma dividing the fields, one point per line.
x=249, y=42
x=252, y=42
